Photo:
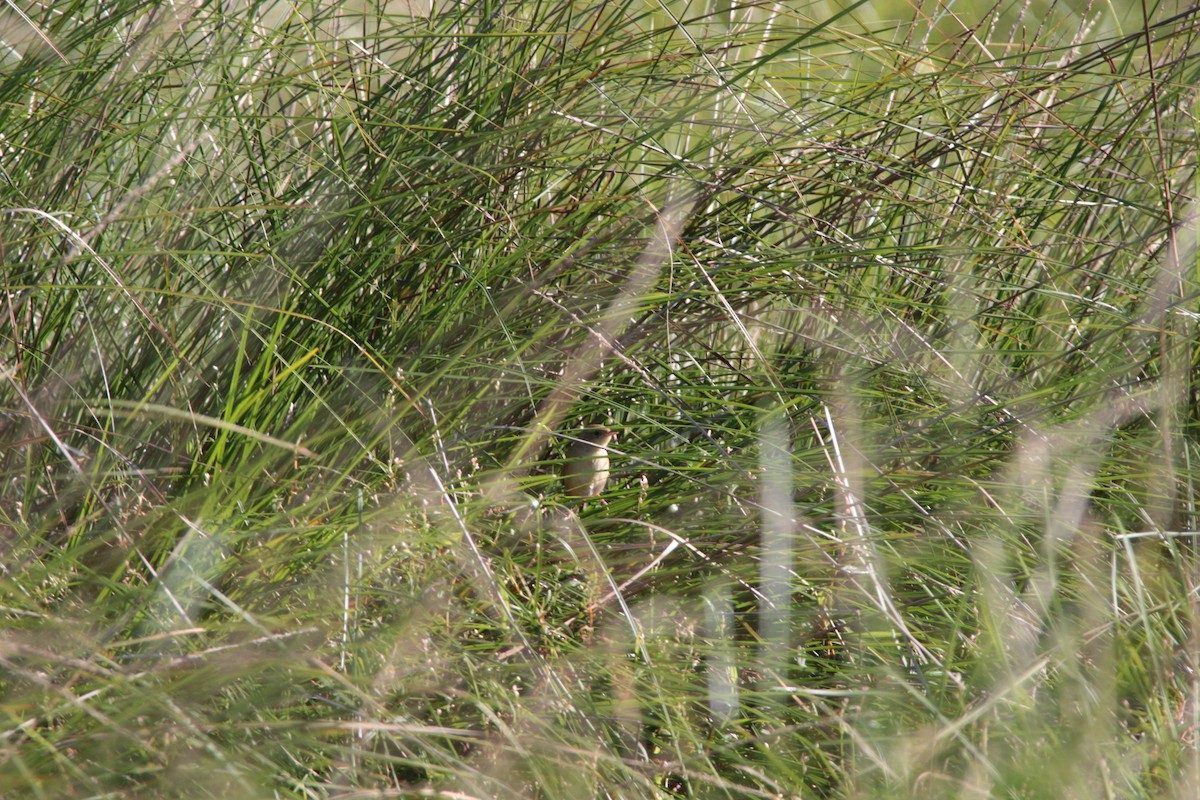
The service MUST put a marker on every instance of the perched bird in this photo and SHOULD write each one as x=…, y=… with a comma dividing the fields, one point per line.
x=585, y=469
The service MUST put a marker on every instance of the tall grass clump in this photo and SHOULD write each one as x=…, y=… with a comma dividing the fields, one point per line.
x=894, y=309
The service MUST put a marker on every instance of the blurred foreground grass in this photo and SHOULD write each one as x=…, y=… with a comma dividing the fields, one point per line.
x=896, y=316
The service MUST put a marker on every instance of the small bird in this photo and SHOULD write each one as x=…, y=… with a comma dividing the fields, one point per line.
x=585, y=469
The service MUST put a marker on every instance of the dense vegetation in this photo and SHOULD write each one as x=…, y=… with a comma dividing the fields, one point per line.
x=894, y=309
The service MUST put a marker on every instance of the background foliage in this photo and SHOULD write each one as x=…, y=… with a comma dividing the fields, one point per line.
x=894, y=307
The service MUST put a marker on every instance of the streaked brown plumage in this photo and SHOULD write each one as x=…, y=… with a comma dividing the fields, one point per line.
x=585, y=468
